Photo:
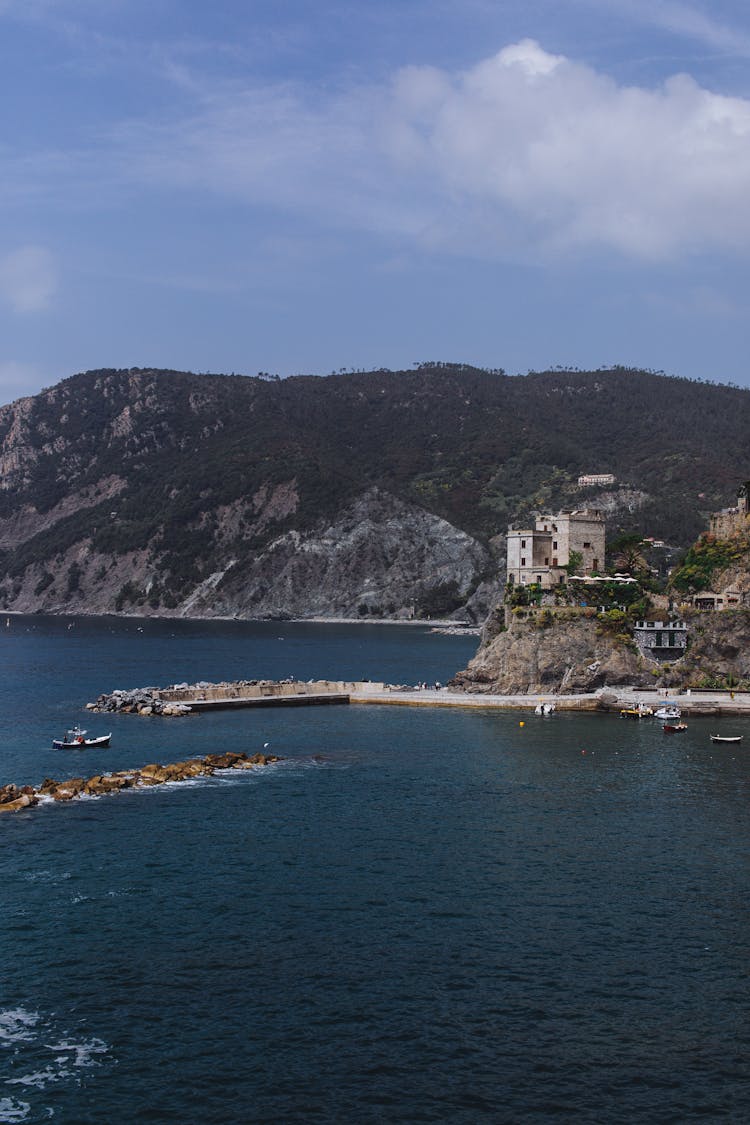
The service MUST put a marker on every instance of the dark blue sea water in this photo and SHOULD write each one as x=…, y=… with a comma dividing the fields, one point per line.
x=417, y=916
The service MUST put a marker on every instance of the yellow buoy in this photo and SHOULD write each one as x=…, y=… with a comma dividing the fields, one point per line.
x=521, y=724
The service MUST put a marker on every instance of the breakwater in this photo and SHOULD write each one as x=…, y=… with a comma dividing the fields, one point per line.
x=14, y=798
x=183, y=699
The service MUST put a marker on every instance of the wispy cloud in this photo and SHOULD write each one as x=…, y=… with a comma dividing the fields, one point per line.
x=525, y=153
x=28, y=278
x=689, y=21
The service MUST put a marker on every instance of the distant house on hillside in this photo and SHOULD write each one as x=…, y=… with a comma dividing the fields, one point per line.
x=596, y=478
x=724, y=523
x=542, y=553
x=729, y=598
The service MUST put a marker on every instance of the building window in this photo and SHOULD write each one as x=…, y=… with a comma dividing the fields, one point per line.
x=554, y=544
x=586, y=544
x=546, y=562
x=539, y=578
x=523, y=562
x=562, y=579
x=596, y=564
x=554, y=561
x=523, y=544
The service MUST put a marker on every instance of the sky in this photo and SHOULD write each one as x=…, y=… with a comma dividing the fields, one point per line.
x=305, y=186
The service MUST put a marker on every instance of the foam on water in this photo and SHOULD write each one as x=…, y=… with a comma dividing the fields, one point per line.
x=40, y=1054
x=12, y=1110
x=16, y=1025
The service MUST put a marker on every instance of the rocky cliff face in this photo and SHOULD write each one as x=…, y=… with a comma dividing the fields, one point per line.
x=574, y=651
x=379, y=557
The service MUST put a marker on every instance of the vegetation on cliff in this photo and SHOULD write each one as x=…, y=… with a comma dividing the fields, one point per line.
x=708, y=559
x=132, y=490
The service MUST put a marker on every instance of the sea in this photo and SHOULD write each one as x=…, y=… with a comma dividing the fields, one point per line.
x=416, y=915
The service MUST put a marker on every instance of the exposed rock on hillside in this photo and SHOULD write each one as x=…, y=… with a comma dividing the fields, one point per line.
x=574, y=653
x=719, y=652
x=380, y=557
x=166, y=492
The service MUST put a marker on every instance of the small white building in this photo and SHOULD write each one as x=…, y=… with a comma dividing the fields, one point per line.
x=596, y=478
x=541, y=553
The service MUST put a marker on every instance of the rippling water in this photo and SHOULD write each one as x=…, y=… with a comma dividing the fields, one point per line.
x=417, y=916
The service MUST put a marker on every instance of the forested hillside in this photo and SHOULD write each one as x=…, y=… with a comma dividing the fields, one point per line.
x=162, y=491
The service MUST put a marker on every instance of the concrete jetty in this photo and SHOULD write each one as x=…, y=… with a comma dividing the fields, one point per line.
x=183, y=699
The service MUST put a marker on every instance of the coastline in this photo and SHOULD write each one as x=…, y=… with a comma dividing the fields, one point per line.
x=436, y=623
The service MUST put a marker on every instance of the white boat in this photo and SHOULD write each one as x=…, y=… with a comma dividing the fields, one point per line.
x=726, y=738
x=667, y=711
x=544, y=708
x=75, y=739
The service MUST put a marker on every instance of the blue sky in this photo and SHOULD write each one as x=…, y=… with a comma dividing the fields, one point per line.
x=308, y=185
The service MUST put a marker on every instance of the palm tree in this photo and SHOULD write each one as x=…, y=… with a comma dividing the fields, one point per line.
x=630, y=560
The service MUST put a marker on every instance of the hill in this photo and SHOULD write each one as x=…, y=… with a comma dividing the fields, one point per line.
x=365, y=493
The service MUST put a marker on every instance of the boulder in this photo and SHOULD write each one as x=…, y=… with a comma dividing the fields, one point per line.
x=225, y=761
x=153, y=774
x=24, y=801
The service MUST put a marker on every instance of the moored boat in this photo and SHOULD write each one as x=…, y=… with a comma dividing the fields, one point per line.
x=668, y=712
x=641, y=711
x=674, y=728
x=726, y=738
x=75, y=739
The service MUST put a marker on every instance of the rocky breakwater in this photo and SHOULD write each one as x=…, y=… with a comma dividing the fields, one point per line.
x=14, y=798
x=570, y=650
x=139, y=701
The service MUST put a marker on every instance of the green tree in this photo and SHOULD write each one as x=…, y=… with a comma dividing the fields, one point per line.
x=575, y=562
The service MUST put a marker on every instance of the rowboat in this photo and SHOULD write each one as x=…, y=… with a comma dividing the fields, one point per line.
x=726, y=738
x=674, y=728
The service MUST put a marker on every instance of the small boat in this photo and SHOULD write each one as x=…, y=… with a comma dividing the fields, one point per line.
x=667, y=711
x=544, y=708
x=639, y=712
x=75, y=739
x=726, y=738
x=674, y=728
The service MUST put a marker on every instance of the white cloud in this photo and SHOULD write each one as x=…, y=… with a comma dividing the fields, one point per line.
x=28, y=278
x=525, y=153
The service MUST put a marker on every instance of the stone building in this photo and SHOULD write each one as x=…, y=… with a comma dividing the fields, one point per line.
x=541, y=553
x=724, y=523
x=732, y=597
x=663, y=640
